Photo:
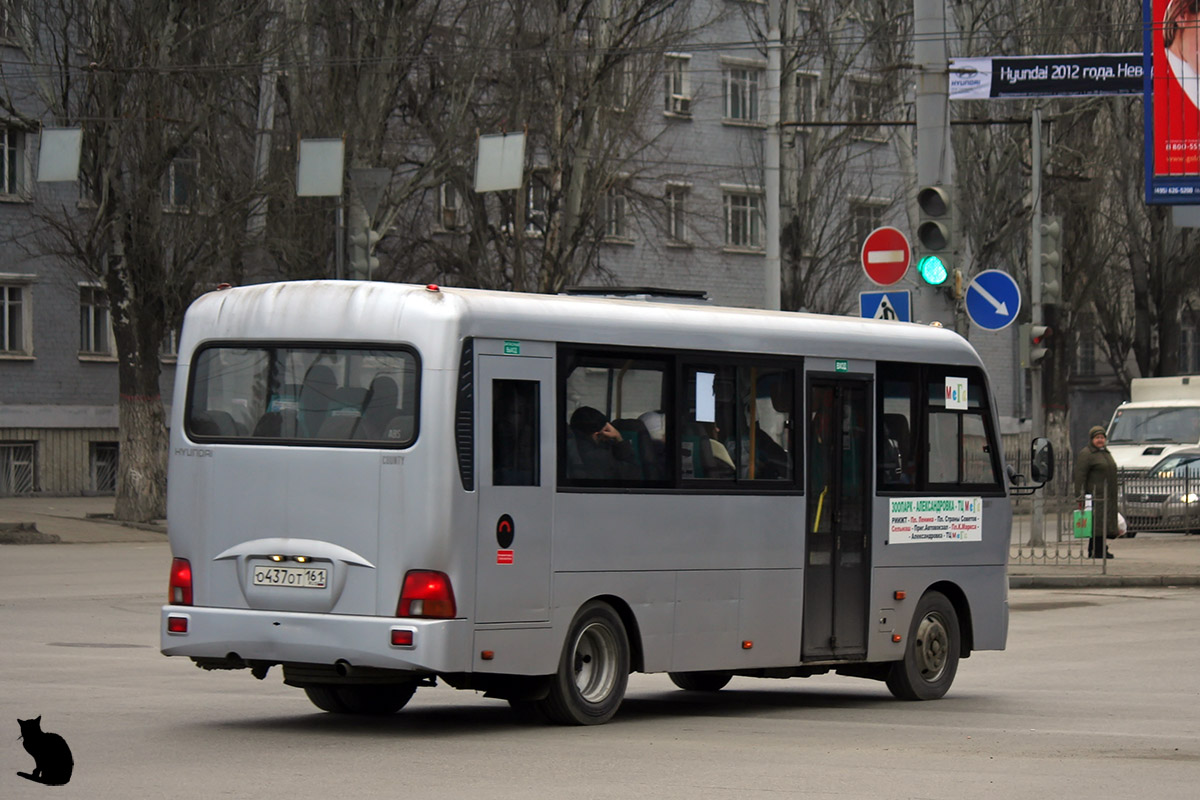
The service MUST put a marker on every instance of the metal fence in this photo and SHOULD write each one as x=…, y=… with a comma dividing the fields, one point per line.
x=1147, y=503
x=1043, y=523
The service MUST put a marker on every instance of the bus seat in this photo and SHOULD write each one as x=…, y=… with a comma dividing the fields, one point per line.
x=316, y=394
x=339, y=426
x=897, y=450
x=214, y=423
x=379, y=407
x=634, y=430
x=781, y=395
x=277, y=424
x=574, y=460
x=348, y=399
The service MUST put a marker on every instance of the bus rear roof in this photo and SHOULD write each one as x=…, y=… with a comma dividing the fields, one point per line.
x=392, y=312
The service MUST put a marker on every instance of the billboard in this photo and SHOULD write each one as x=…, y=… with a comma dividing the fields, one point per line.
x=1172, y=52
x=1019, y=77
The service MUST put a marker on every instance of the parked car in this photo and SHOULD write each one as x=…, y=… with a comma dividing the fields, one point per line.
x=1166, y=497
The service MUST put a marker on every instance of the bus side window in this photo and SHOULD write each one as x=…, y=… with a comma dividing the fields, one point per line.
x=516, y=433
x=962, y=448
x=624, y=393
x=897, y=453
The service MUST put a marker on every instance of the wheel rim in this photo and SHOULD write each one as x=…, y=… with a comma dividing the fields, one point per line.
x=595, y=662
x=933, y=647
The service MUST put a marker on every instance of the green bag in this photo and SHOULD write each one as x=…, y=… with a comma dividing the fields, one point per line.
x=1083, y=524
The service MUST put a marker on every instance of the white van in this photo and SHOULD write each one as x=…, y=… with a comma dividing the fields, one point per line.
x=1162, y=416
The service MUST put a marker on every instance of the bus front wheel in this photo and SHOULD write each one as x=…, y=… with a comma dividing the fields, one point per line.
x=593, y=670
x=931, y=653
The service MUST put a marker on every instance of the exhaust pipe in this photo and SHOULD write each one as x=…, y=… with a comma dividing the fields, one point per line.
x=343, y=668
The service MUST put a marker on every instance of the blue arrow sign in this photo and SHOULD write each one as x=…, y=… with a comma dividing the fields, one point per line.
x=993, y=299
x=885, y=305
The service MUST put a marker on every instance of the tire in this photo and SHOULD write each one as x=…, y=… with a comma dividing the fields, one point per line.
x=326, y=698
x=700, y=681
x=931, y=654
x=363, y=700
x=593, y=671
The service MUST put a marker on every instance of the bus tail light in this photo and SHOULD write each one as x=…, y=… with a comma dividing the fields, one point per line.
x=426, y=594
x=180, y=592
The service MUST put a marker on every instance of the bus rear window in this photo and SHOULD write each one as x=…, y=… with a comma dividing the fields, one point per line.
x=303, y=395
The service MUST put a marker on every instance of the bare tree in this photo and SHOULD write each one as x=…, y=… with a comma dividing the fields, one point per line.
x=577, y=78
x=842, y=66
x=155, y=88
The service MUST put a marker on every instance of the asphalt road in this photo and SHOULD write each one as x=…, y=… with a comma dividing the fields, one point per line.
x=1096, y=697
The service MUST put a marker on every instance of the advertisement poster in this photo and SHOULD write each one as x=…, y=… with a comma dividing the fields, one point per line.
x=1173, y=101
x=935, y=519
x=1018, y=77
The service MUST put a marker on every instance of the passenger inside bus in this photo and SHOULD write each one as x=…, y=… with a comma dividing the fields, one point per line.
x=596, y=450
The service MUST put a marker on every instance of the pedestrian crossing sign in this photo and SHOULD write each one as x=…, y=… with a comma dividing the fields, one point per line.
x=885, y=305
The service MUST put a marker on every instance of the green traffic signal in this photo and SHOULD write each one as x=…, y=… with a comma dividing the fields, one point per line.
x=933, y=270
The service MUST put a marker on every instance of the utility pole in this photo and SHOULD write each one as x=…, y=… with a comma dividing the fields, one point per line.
x=773, y=271
x=935, y=157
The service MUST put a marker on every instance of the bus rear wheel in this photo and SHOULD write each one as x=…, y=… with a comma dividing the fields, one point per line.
x=593, y=670
x=931, y=653
x=372, y=700
x=700, y=681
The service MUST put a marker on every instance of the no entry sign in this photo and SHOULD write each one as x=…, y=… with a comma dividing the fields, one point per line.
x=885, y=255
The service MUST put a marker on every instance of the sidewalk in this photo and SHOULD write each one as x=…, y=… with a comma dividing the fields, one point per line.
x=69, y=520
x=1164, y=559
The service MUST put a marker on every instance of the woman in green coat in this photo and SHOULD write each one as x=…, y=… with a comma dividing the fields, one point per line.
x=1096, y=474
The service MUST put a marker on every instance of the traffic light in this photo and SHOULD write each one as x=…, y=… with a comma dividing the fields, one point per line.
x=1051, y=235
x=935, y=234
x=363, y=261
x=1034, y=344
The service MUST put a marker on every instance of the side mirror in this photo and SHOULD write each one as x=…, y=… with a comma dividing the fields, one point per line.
x=1041, y=460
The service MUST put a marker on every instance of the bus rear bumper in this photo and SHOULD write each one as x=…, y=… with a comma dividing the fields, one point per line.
x=281, y=637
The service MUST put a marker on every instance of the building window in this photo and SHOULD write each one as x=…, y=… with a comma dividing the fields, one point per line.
x=12, y=163
x=615, y=209
x=16, y=469
x=14, y=319
x=617, y=85
x=537, y=203
x=678, y=96
x=866, y=105
x=806, y=96
x=169, y=349
x=866, y=216
x=13, y=20
x=104, y=466
x=743, y=220
x=1085, y=349
x=181, y=183
x=676, y=210
x=449, y=207
x=94, y=322
x=741, y=86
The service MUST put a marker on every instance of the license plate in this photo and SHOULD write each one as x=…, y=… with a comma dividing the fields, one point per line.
x=293, y=577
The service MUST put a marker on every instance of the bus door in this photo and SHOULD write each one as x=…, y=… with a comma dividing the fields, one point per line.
x=515, y=444
x=837, y=552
